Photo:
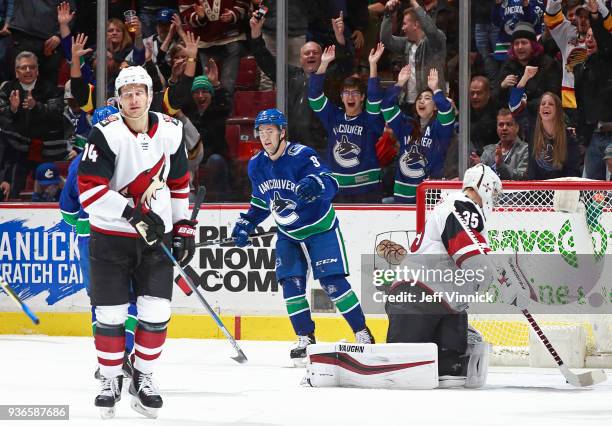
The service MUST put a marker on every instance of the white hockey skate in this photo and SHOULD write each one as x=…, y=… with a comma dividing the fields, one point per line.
x=298, y=354
x=364, y=337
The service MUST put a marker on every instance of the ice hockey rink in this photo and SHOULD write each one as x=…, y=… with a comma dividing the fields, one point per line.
x=201, y=385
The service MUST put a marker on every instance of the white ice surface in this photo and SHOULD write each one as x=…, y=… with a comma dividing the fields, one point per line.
x=201, y=385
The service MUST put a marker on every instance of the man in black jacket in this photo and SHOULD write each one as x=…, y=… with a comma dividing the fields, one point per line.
x=30, y=121
x=304, y=126
x=593, y=84
x=35, y=29
x=483, y=113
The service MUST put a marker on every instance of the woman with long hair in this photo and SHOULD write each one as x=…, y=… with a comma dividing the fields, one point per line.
x=423, y=140
x=554, y=151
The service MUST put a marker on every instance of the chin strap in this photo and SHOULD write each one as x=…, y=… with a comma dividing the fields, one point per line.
x=280, y=141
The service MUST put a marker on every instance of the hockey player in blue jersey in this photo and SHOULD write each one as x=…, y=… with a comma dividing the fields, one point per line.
x=423, y=144
x=352, y=131
x=73, y=214
x=290, y=182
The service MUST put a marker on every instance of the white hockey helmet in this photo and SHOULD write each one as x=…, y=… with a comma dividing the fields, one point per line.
x=134, y=75
x=486, y=183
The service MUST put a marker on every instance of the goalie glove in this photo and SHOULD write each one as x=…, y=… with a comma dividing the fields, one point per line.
x=147, y=224
x=310, y=188
x=183, y=241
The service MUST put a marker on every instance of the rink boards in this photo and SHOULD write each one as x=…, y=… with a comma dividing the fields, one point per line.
x=39, y=258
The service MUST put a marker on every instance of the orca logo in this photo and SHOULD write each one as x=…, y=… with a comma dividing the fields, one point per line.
x=413, y=163
x=283, y=210
x=346, y=153
x=295, y=149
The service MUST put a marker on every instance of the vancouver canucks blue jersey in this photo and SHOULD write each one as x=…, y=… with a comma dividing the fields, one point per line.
x=70, y=206
x=424, y=158
x=273, y=192
x=351, y=141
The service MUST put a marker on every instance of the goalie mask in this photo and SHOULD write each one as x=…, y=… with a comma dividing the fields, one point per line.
x=486, y=183
x=134, y=75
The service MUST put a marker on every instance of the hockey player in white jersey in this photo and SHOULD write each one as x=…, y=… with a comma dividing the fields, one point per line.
x=134, y=184
x=453, y=239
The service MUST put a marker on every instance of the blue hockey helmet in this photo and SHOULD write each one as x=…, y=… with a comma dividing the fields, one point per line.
x=270, y=116
x=101, y=114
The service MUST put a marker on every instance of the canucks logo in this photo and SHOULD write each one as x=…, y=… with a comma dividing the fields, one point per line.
x=413, y=163
x=346, y=153
x=283, y=210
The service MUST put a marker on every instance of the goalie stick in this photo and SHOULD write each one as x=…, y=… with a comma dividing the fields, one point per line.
x=587, y=378
x=230, y=240
x=8, y=290
x=241, y=357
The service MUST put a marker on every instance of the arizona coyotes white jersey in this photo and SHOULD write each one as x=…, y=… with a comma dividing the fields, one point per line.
x=444, y=245
x=120, y=168
x=444, y=234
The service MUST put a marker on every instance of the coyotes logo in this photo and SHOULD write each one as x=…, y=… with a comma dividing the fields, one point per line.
x=144, y=187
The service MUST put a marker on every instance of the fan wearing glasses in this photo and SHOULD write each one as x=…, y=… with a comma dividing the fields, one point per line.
x=352, y=131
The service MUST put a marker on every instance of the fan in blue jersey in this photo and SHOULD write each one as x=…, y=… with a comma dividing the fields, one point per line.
x=73, y=214
x=290, y=182
x=352, y=132
x=423, y=145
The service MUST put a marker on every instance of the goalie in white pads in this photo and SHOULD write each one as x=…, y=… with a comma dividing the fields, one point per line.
x=433, y=309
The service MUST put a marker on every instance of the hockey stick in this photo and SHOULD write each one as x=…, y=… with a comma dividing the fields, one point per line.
x=241, y=357
x=587, y=378
x=8, y=290
x=232, y=239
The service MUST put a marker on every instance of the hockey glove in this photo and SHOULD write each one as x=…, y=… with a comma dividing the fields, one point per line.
x=147, y=224
x=183, y=241
x=310, y=188
x=241, y=231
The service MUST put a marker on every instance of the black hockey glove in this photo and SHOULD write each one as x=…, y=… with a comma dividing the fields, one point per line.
x=183, y=241
x=148, y=225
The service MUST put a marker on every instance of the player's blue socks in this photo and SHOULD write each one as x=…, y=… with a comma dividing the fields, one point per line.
x=294, y=293
x=339, y=291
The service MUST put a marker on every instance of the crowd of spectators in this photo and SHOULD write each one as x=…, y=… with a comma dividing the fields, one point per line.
x=371, y=85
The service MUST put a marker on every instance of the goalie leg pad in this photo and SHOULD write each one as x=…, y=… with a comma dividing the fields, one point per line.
x=382, y=366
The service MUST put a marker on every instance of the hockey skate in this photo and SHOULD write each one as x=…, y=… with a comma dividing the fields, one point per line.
x=110, y=394
x=298, y=354
x=146, y=398
x=365, y=337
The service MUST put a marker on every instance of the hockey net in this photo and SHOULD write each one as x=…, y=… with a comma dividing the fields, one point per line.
x=540, y=211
